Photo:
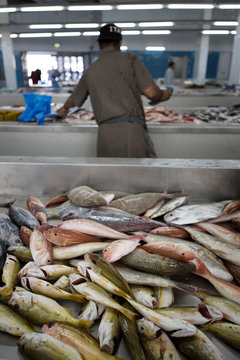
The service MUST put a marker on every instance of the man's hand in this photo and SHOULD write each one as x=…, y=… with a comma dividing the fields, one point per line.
x=62, y=111
x=165, y=95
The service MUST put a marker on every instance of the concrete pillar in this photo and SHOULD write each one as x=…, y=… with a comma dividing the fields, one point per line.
x=201, y=55
x=234, y=77
x=7, y=52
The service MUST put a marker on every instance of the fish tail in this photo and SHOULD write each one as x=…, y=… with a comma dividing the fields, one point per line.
x=128, y=313
x=76, y=297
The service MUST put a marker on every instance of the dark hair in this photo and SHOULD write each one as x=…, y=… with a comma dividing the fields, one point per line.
x=108, y=42
x=171, y=63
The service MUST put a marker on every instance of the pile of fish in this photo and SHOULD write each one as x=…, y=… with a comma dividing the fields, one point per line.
x=117, y=257
x=79, y=117
x=219, y=115
x=164, y=115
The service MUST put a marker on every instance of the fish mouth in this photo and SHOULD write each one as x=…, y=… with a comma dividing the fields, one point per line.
x=79, y=281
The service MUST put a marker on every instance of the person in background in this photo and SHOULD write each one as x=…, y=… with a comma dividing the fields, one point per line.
x=169, y=74
x=35, y=76
x=115, y=83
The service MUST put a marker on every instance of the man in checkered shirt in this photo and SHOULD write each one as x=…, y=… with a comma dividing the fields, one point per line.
x=115, y=83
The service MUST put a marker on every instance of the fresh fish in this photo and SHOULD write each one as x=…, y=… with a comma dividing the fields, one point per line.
x=109, y=331
x=114, y=218
x=117, y=194
x=36, y=207
x=91, y=311
x=53, y=212
x=85, y=196
x=25, y=234
x=63, y=237
x=156, y=347
x=138, y=204
x=145, y=295
x=192, y=214
x=23, y=253
x=105, y=275
x=2, y=256
x=171, y=231
x=40, y=248
x=232, y=207
x=69, y=252
x=13, y=323
x=141, y=278
x=96, y=293
x=49, y=272
x=92, y=228
x=229, y=308
x=25, y=268
x=154, y=209
x=119, y=248
x=39, y=309
x=197, y=315
x=43, y=346
x=178, y=328
x=156, y=264
x=199, y=347
x=224, y=250
x=164, y=296
x=184, y=250
x=130, y=333
x=9, y=233
x=222, y=233
x=42, y=287
x=169, y=206
x=225, y=288
x=108, y=196
x=63, y=283
x=22, y=217
x=59, y=199
x=234, y=270
x=229, y=333
x=81, y=340
x=9, y=275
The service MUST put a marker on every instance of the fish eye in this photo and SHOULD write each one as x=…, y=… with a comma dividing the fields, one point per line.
x=55, y=234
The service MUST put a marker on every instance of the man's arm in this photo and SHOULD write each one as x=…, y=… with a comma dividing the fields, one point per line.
x=156, y=95
x=64, y=109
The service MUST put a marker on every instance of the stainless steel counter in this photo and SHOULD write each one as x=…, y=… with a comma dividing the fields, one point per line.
x=205, y=141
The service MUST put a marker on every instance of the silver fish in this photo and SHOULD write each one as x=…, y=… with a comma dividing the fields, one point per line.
x=169, y=206
x=192, y=214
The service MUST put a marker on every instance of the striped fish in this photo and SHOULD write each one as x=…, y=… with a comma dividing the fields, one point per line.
x=13, y=323
x=230, y=333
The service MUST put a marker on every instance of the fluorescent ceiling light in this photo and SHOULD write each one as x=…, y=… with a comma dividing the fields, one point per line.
x=46, y=26
x=139, y=7
x=82, y=26
x=7, y=10
x=130, y=32
x=13, y=36
x=229, y=6
x=69, y=33
x=89, y=7
x=33, y=35
x=0, y=36
x=123, y=47
x=233, y=32
x=90, y=33
x=190, y=6
x=42, y=8
x=156, y=32
x=157, y=24
x=155, y=48
x=215, y=32
x=125, y=25
x=225, y=23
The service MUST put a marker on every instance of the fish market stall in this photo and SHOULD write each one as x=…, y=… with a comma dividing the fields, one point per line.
x=45, y=177
x=204, y=141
